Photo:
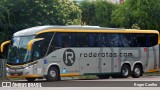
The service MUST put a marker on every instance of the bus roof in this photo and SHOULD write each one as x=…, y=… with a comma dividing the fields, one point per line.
x=71, y=28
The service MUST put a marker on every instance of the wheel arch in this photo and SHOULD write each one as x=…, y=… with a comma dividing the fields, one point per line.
x=52, y=64
x=140, y=64
x=126, y=63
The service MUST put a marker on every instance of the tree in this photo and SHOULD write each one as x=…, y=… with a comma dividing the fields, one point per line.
x=97, y=12
x=103, y=12
x=2, y=24
x=20, y=14
x=143, y=13
x=88, y=12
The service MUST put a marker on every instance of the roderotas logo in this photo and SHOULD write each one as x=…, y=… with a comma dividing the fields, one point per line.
x=69, y=57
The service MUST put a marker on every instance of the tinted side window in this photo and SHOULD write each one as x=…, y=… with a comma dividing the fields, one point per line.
x=113, y=40
x=45, y=43
x=153, y=40
x=66, y=40
x=97, y=40
x=81, y=39
x=55, y=43
x=141, y=40
x=121, y=40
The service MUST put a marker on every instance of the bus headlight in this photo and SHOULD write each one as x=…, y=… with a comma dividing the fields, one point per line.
x=27, y=68
x=7, y=69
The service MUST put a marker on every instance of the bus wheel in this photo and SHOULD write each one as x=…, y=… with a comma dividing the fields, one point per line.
x=125, y=71
x=53, y=74
x=137, y=71
x=30, y=79
x=103, y=76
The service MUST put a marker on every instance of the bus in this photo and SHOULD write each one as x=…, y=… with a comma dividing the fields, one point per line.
x=52, y=52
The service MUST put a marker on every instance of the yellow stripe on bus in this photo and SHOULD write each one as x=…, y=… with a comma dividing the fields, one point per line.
x=31, y=43
x=25, y=76
x=69, y=75
x=99, y=31
x=158, y=39
x=150, y=71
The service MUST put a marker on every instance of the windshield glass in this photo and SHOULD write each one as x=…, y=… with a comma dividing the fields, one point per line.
x=18, y=50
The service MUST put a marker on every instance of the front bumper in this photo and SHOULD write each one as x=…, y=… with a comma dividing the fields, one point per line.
x=26, y=72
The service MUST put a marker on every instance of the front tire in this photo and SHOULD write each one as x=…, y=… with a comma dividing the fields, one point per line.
x=30, y=79
x=137, y=71
x=103, y=76
x=53, y=74
x=125, y=71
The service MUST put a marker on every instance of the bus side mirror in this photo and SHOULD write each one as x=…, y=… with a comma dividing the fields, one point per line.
x=3, y=45
x=4, y=49
x=30, y=43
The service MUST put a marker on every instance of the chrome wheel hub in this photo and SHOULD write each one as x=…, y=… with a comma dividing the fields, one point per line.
x=53, y=73
x=125, y=71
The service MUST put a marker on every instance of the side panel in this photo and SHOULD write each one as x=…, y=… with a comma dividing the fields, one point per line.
x=102, y=60
x=151, y=59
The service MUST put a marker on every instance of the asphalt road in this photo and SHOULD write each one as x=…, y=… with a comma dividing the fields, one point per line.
x=147, y=81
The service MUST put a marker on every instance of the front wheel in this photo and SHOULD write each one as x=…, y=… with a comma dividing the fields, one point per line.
x=103, y=76
x=137, y=71
x=53, y=74
x=30, y=79
x=125, y=71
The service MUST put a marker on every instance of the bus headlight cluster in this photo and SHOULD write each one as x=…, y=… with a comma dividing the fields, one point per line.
x=27, y=68
x=7, y=69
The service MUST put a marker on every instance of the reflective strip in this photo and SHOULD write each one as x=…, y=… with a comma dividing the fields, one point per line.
x=25, y=76
x=69, y=75
x=3, y=44
x=150, y=71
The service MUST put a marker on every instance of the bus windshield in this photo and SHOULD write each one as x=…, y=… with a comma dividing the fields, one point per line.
x=18, y=50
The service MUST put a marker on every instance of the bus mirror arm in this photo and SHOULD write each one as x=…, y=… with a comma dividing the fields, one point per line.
x=3, y=45
x=30, y=43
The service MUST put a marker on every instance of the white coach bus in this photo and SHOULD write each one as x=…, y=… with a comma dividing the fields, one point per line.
x=53, y=52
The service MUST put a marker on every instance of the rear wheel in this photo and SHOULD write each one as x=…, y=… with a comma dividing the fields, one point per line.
x=103, y=76
x=53, y=74
x=137, y=71
x=125, y=71
x=30, y=79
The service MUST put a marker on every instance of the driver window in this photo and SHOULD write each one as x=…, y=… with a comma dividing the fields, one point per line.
x=37, y=51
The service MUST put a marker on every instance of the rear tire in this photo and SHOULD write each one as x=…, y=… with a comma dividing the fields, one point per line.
x=30, y=79
x=125, y=71
x=103, y=76
x=137, y=71
x=53, y=74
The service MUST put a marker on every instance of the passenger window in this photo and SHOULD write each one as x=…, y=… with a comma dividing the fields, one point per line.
x=114, y=40
x=141, y=40
x=66, y=40
x=152, y=40
x=55, y=43
x=125, y=40
x=81, y=39
x=100, y=40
